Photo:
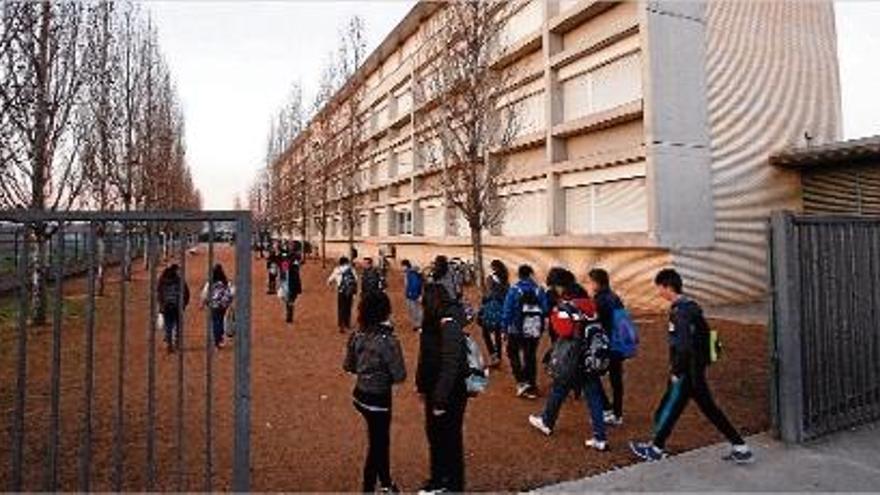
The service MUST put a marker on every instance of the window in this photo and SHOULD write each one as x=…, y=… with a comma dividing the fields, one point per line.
x=607, y=207
x=602, y=88
x=404, y=222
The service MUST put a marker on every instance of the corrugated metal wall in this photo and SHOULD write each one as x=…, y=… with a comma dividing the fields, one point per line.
x=772, y=75
x=842, y=190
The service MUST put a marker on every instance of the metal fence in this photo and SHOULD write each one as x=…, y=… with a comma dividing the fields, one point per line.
x=825, y=335
x=151, y=227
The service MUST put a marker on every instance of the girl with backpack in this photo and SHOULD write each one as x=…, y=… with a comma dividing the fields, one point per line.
x=273, y=268
x=607, y=304
x=168, y=290
x=217, y=295
x=345, y=280
x=292, y=287
x=441, y=381
x=574, y=319
x=491, y=307
x=374, y=355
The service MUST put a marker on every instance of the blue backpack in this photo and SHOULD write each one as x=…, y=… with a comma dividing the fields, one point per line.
x=624, y=334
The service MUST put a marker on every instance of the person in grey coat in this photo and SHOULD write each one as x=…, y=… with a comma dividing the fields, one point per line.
x=374, y=355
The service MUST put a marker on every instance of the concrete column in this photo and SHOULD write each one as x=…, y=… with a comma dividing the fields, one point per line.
x=418, y=218
x=555, y=198
x=391, y=222
x=555, y=148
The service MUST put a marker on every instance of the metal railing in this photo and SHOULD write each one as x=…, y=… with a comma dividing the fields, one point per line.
x=49, y=228
x=825, y=335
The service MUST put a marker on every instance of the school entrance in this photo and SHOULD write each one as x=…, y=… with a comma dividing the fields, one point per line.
x=825, y=328
x=91, y=398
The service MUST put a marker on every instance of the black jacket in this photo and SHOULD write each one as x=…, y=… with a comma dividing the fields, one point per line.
x=293, y=281
x=606, y=302
x=168, y=292
x=374, y=355
x=443, y=364
x=372, y=281
x=688, y=338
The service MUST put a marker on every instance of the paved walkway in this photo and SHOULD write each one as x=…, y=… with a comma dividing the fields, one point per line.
x=847, y=461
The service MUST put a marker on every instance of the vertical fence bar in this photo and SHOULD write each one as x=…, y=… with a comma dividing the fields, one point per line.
x=85, y=454
x=209, y=372
x=119, y=412
x=15, y=484
x=151, y=364
x=787, y=327
x=241, y=460
x=50, y=480
x=180, y=385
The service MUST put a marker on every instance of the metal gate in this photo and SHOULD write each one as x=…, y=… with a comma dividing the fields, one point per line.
x=41, y=257
x=825, y=335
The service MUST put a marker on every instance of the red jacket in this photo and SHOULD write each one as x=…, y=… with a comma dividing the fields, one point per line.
x=563, y=322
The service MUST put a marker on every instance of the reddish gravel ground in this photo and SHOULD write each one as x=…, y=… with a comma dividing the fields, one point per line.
x=305, y=434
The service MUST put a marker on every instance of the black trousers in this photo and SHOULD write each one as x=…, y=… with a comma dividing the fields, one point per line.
x=492, y=338
x=377, y=466
x=343, y=309
x=674, y=401
x=272, y=281
x=615, y=377
x=446, y=444
x=288, y=308
x=523, y=355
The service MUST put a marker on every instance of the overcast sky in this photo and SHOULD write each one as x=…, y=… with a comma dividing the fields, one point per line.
x=234, y=62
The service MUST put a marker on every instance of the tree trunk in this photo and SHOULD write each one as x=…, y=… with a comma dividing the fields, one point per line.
x=102, y=249
x=324, y=247
x=38, y=277
x=477, y=244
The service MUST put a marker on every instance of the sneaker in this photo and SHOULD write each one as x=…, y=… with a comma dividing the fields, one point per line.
x=600, y=445
x=612, y=420
x=740, y=455
x=521, y=389
x=390, y=489
x=646, y=451
x=538, y=423
x=530, y=393
x=430, y=488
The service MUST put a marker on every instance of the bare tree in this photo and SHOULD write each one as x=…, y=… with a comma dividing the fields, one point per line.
x=351, y=55
x=465, y=95
x=322, y=151
x=42, y=85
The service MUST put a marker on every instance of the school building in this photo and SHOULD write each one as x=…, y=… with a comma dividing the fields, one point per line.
x=646, y=140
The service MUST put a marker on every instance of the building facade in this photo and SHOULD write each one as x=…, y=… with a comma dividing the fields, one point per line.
x=645, y=133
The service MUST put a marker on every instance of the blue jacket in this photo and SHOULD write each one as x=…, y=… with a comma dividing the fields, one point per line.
x=413, y=284
x=512, y=314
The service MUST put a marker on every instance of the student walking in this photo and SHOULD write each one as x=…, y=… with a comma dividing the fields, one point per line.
x=607, y=302
x=292, y=287
x=571, y=317
x=372, y=280
x=374, y=355
x=413, y=282
x=345, y=280
x=440, y=381
x=525, y=309
x=168, y=290
x=690, y=355
x=217, y=295
x=489, y=316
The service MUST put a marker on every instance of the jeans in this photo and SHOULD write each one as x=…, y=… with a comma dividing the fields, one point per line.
x=446, y=444
x=217, y=324
x=676, y=398
x=523, y=354
x=171, y=319
x=615, y=377
x=492, y=337
x=414, y=308
x=343, y=309
x=377, y=465
x=592, y=399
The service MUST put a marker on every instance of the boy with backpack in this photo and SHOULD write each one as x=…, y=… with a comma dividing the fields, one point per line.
x=413, y=282
x=169, y=295
x=292, y=286
x=525, y=309
x=273, y=268
x=578, y=357
x=621, y=331
x=345, y=280
x=690, y=353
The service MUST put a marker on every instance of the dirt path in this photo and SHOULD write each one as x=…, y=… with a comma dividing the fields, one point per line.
x=305, y=434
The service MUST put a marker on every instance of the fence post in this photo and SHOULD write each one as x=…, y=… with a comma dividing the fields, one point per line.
x=241, y=461
x=787, y=379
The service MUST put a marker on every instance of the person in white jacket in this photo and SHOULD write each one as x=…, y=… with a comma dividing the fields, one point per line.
x=345, y=280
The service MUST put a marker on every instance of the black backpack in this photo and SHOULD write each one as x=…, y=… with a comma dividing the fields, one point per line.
x=347, y=283
x=596, y=355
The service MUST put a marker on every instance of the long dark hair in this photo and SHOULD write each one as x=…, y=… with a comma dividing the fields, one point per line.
x=373, y=309
x=434, y=302
x=218, y=275
x=169, y=274
x=500, y=270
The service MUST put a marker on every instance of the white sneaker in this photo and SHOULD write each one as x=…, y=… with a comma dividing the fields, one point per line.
x=594, y=444
x=612, y=420
x=521, y=389
x=538, y=423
